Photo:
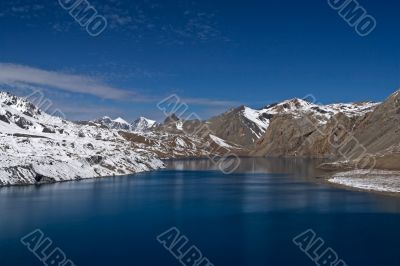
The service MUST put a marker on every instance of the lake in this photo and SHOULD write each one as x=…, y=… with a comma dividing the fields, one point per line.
x=247, y=218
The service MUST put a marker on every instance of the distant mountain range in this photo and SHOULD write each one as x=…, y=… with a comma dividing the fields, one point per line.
x=142, y=124
x=36, y=147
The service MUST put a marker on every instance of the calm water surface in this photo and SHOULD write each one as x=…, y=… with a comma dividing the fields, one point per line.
x=248, y=218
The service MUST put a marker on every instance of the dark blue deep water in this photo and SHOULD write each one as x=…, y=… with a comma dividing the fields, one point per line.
x=248, y=218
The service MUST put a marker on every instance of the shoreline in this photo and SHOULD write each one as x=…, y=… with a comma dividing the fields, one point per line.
x=382, y=182
x=53, y=182
x=354, y=189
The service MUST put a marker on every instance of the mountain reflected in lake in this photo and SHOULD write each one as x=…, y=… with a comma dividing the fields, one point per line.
x=296, y=166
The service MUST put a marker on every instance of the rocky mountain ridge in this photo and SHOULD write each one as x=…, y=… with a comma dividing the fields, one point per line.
x=141, y=124
x=246, y=126
x=368, y=138
x=37, y=147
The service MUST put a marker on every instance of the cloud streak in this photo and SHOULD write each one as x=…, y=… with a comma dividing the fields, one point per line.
x=22, y=76
x=15, y=75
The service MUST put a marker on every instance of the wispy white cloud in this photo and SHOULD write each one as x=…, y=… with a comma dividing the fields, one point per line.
x=14, y=75
x=22, y=76
x=121, y=70
x=209, y=102
x=89, y=112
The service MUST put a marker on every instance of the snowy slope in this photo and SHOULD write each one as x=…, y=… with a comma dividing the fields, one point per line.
x=36, y=147
x=220, y=142
x=376, y=180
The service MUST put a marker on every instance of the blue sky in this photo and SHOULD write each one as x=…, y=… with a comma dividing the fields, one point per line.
x=213, y=54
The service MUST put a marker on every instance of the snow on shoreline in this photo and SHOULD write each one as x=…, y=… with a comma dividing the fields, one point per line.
x=55, y=171
x=375, y=180
x=45, y=159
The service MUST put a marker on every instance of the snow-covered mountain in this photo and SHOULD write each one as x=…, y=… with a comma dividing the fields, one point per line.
x=296, y=125
x=118, y=123
x=245, y=126
x=298, y=108
x=36, y=147
x=143, y=124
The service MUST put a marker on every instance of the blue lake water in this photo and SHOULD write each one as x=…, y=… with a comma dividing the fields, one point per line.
x=247, y=218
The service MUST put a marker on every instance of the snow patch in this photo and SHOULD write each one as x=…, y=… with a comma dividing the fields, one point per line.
x=221, y=142
x=121, y=121
x=376, y=180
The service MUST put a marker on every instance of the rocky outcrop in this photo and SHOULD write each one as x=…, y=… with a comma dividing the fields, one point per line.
x=380, y=130
x=143, y=124
x=236, y=127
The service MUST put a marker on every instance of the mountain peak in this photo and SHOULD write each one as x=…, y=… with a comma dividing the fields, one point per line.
x=171, y=118
x=4, y=94
x=395, y=95
x=296, y=103
x=121, y=120
x=118, y=123
x=142, y=118
x=19, y=103
x=143, y=124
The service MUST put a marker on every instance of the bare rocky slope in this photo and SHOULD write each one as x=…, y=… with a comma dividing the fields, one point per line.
x=378, y=135
x=288, y=128
x=363, y=139
x=313, y=131
x=280, y=129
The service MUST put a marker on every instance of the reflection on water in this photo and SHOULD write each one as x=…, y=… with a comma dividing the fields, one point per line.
x=247, y=218
x=291, y=183
x=296, y=166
